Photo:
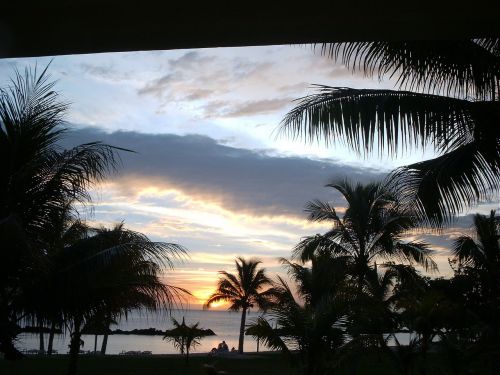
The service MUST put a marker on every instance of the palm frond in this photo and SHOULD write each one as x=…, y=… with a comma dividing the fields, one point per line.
x=418, y=252
x=364, y=118
x=321, y=211
x=439, y=189
x=262, y=330
x=459, y=67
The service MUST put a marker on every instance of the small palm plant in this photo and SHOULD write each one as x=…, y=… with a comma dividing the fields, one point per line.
x=185, y=337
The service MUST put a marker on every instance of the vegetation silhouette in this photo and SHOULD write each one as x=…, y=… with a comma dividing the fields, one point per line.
x=186, y=337
x=448, y=97
x=477, y=283
x=354, y=287
x=314, y=324
x=37, y=179
x=372, y=228
x=243, y=291
x=58, y=270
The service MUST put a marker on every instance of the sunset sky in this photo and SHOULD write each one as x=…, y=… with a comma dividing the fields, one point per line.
x=210, y=170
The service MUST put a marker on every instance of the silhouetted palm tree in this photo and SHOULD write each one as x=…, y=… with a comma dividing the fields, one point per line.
x=452, y=103
x=313, y=323
x=243, y=290
x=185, y=337
x=372, y=227
x=37, y=178
x=478, y=256
x=110, y=273
x=481, y=251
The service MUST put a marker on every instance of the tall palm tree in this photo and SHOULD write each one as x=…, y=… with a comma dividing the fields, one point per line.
x=243, y=290
x=372, y=227
x=448, y=97
x=37, y=178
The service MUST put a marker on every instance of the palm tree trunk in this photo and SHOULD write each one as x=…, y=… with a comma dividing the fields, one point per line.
x=242, y=330
x=95, y=344
x=51, y=338
x=104, y=343
x=74, y=347
x=107, y=321
x=41, y=348
x=423, y=364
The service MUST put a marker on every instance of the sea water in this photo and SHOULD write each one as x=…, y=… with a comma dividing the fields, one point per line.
x=225, y=324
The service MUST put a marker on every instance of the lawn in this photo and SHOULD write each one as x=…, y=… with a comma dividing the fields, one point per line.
x=249, y=364
x=272, y=363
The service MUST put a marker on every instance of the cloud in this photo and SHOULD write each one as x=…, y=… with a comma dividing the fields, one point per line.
x=182, y=77
x=295, y=88
x=239, y=180
x=107, y=73
x=257, y=107
x=198, y=94
x=157, y=86
x=190, y=60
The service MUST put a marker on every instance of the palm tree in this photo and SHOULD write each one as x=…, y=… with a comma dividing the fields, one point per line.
x=37, y=178
x=372, y=227
x=482, y=251
x=312, y=319
x=478, y=257
x=111, y=273
x=451, y=102
x=186, y=337
x=242, y=290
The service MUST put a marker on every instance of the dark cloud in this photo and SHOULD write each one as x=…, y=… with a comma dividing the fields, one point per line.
x=239, y=179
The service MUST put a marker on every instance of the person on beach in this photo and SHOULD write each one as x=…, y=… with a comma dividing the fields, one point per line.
x=225, y=348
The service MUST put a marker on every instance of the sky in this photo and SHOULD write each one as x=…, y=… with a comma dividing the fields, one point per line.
x=210, y=169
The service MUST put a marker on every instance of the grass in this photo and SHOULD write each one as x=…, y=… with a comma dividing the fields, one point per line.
x=267, y=364
x=250, y=364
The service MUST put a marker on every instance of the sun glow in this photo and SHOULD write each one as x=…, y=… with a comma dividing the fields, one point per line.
x=201, y=294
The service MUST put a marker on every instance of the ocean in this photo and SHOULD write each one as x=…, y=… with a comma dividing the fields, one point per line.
x=225, y=324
